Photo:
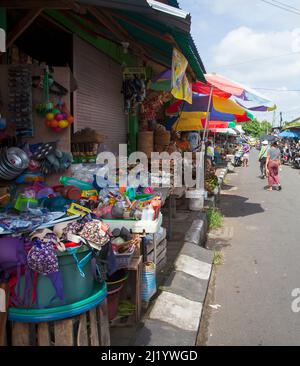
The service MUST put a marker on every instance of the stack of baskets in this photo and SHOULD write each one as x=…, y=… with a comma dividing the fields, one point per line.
x=162, y=140
x=85, y=145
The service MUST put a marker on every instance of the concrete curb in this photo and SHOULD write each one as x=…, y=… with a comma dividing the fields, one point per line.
x=175, y=317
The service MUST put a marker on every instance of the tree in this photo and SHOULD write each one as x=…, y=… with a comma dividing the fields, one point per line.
x=256, y=128
x=252, y=128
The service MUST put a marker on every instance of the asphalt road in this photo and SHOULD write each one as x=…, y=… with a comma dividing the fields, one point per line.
x=261, y=262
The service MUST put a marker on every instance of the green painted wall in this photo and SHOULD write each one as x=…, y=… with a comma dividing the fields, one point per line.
x=133, y=128
x=3, y=18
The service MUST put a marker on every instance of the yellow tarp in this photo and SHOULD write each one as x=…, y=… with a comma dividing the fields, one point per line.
x=189, y=121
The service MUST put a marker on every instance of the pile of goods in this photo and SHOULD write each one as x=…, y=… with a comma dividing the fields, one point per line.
x=85, y=144
x=91, y=250
x=211, y=182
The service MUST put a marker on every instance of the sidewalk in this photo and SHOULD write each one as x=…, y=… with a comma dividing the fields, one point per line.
x=182, y=284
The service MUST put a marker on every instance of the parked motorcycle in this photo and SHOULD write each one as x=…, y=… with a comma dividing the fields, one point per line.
x=238, y=158
x=285, y=157
x=296, y=160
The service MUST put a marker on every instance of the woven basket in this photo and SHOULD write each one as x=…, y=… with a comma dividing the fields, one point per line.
x=88, y=135
x=123, y=260
x=162, y=138
x=146, y=142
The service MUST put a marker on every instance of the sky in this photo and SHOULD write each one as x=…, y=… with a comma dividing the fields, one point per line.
x=253, y=43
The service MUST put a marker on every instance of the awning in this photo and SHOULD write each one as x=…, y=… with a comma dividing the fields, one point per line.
x=293, y=124
x=154, y=9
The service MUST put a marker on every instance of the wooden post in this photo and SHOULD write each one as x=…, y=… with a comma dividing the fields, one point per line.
x=4, y=294
x=104, y=333
x=20, y=334
x=82, y=336
x=43, y=335
x=63, y=332
x=94, y=328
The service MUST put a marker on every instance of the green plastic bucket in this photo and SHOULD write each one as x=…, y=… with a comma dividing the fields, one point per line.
x=75, y=287
x=97, y=296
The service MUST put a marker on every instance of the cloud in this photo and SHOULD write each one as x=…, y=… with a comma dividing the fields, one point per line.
x=275, y=71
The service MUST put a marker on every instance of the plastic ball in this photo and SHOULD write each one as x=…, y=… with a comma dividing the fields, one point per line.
x=56, y=129
x=59, y=117
x=48, y=123
x=65, y=115
x=55, y=111
x=49, y=116
x=63, y=123
x=54, y=123
x=70, y=119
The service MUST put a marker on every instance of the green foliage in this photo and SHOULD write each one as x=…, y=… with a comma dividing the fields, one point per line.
x=215, y=218
x=256, y=128
x=218, y=258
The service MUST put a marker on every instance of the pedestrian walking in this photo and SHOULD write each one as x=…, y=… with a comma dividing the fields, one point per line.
x=262, y=158
x=246, y=151
x=272, y=166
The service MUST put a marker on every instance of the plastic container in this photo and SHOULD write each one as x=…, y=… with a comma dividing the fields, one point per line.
x=69, y=181
x=196, y=199
x=23, y=203
x=113, y=300
x=136, y=226
x=97, y=296
x=76, y=287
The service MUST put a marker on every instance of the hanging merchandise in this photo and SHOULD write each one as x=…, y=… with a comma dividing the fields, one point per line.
x=134, y=87
x=20, y=99
x=45, y=106
x=59, y=117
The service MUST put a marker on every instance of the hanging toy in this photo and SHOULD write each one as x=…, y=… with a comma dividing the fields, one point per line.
x=46, y=105
x=59, y=117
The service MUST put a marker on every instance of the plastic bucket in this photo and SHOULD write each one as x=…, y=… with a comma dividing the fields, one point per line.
x=113, y=299
x=116, y=280
x=75, y=286
x=98, y=295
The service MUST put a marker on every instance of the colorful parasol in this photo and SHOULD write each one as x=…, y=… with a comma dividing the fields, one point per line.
x=236, y=89
x=200, y=104
x=162, y=82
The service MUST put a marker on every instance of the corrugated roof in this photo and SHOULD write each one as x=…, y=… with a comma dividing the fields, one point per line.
x=152, y=8
x=184, y=40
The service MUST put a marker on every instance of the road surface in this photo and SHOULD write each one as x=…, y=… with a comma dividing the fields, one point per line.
x=261, y=263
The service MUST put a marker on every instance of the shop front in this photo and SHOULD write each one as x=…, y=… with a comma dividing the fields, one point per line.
x=78, y=252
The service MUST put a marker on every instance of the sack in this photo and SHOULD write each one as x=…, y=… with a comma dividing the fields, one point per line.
x=148, y=281
x=96, y=234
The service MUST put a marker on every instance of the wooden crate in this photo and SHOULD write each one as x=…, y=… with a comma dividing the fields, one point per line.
x=87, y=329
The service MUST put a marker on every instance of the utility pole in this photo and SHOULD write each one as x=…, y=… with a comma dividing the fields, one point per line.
x=280, y=120
x=273, y=122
